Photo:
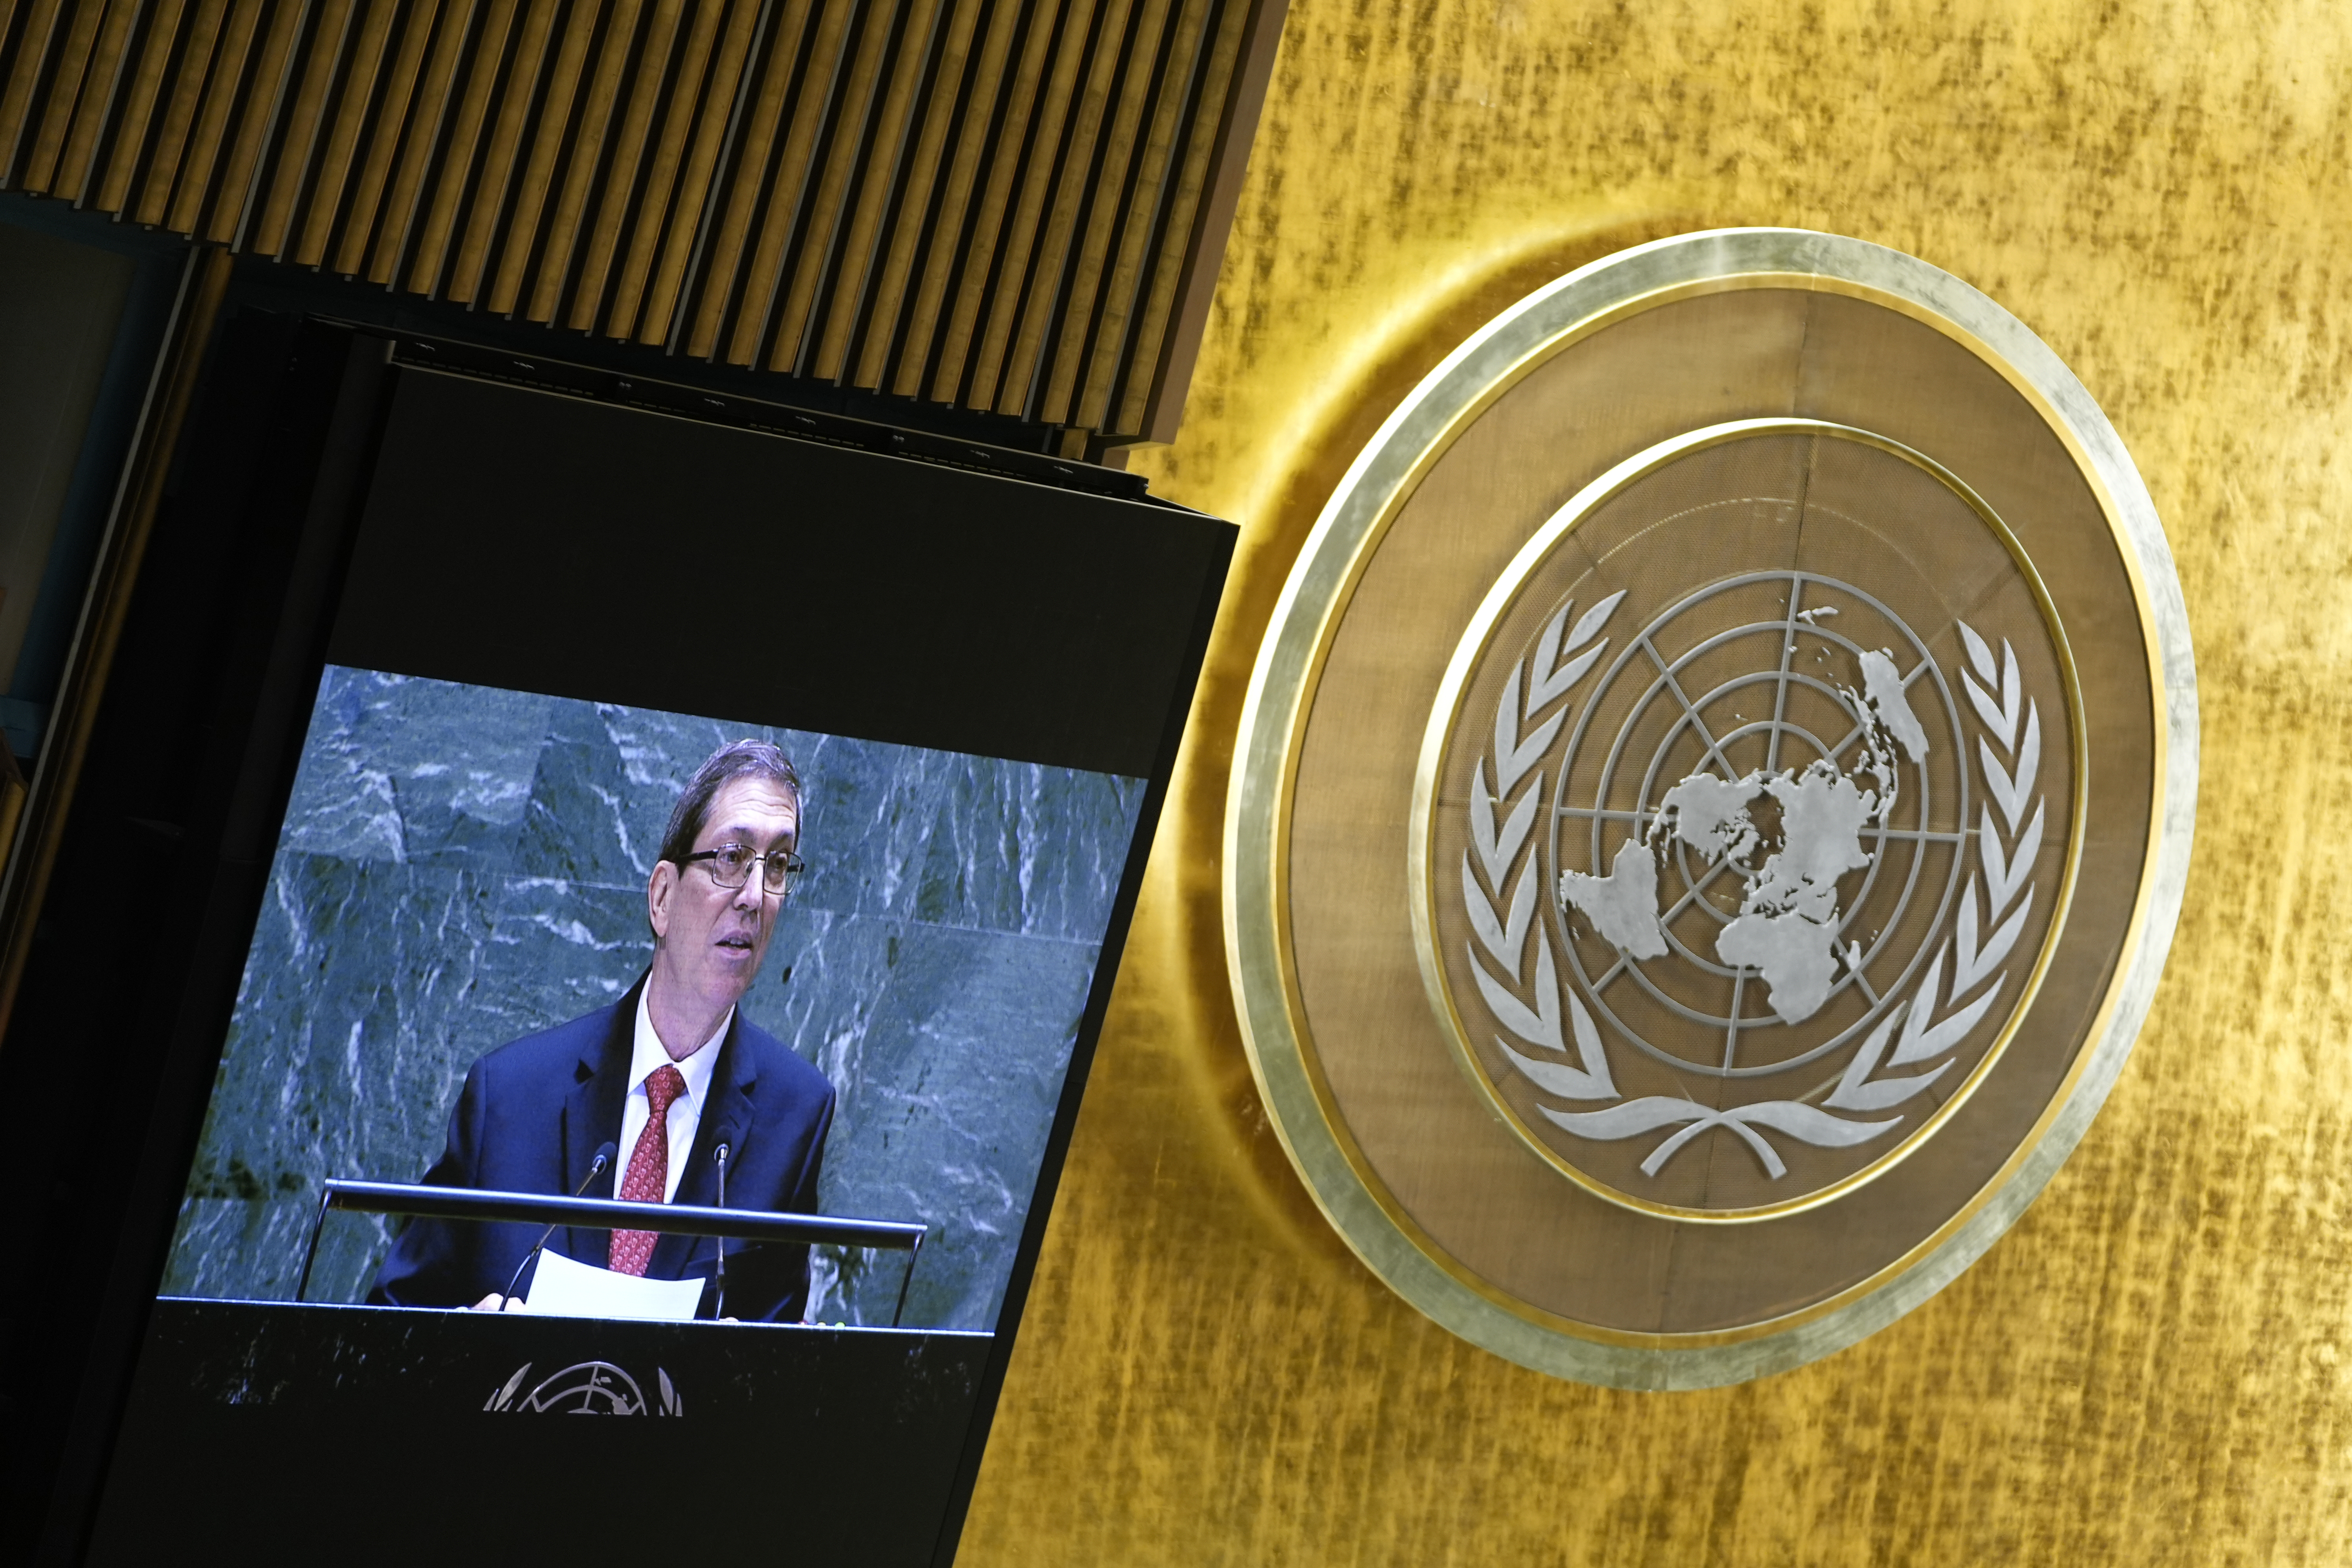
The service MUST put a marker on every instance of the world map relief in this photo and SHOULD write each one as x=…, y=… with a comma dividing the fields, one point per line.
x=1788, y=921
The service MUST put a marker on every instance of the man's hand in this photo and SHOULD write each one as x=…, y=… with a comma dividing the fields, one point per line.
x=493, y=1303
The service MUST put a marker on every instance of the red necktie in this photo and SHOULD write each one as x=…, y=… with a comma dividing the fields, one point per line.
x=648, y=1171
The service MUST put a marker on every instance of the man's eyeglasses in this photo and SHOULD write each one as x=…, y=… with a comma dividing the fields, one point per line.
x=730, y=867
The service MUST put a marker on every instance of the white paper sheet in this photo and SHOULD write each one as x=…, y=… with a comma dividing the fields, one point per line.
x=562, y=1288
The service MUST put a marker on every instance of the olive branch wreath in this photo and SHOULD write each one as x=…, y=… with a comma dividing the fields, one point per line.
x=1501, y=840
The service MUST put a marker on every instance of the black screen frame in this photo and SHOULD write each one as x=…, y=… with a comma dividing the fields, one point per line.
x=236, y=614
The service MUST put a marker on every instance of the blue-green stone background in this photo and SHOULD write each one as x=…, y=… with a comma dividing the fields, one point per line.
x=461, y=864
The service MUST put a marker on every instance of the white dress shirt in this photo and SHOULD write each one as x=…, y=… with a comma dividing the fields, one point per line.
x=685, y=1112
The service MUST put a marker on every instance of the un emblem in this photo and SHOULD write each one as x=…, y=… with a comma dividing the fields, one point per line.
x=1711, y=808
x=1775, y=861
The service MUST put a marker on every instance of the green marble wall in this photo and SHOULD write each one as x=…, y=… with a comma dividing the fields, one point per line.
x=461, y=864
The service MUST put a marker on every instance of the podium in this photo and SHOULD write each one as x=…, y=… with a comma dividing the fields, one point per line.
x=269, y=1432
x=308, y=1432
x=477, y=1206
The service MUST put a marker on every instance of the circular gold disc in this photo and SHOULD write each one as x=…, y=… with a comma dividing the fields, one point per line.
x=1711, y=808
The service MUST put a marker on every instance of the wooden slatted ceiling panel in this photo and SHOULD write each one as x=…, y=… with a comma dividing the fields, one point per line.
x=1000, y=205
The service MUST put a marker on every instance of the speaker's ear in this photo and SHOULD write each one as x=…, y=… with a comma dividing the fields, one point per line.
x=660, y=889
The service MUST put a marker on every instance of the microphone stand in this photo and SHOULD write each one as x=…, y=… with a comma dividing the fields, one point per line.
x=719, y=1268
x=595, y=1169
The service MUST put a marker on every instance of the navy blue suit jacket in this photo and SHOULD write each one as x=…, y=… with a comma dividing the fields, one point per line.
x=530, y=1118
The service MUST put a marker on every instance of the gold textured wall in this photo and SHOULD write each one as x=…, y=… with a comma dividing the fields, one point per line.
x=2156, y=1365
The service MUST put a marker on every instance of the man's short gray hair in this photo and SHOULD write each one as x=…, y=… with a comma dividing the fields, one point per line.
x=736, y=760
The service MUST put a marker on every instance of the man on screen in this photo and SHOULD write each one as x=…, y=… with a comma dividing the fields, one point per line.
x=666, y=1075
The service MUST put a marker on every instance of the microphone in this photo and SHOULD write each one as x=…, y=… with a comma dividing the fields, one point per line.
x=596, y=1168
x=718, y=1268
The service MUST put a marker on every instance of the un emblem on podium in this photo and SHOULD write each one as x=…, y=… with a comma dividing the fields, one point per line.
x=585, y=1388
x=1711, y=809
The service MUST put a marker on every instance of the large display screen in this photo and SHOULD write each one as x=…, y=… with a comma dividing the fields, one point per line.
x=650, y=812
x=462, y=885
